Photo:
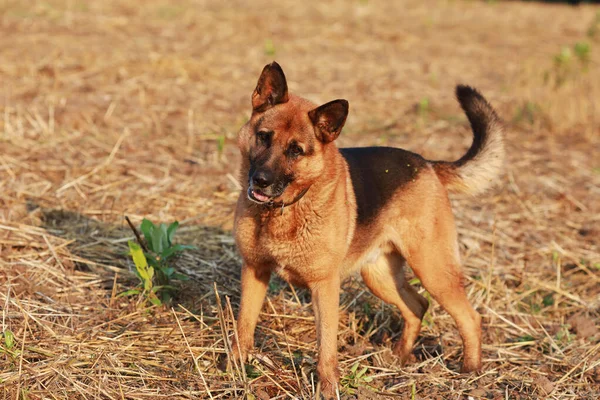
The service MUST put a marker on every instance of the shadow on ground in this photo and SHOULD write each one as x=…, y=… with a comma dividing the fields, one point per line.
x=101, y=248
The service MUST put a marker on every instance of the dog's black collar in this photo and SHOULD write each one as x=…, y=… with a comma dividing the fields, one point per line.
x=280, y=204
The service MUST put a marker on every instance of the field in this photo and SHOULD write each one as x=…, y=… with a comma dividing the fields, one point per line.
x=111, y=109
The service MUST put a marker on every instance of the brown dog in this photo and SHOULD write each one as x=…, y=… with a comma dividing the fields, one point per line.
x=314, y=214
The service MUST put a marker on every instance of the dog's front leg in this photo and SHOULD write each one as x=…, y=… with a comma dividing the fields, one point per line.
x=325, y=299
x=255, y=281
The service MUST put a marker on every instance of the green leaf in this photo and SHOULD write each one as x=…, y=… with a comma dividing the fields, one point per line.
x=354, y=368
x=157, y=239
x=548, y=300
x=220, y=144
x=155, y=300
x=156, y=289
x=414, y=281
x=582, y=50
x=252, y=372
x=180, y=277
x=175, y=249
x=269, y=47
x=164, y=237
x=171, y=231
x=165, y=255
x=525, y=338
x=423, y=106
x=129, y=292
x=563, y=58
x=9, y=339
x=165, y=296
x=148, y=228
x=152, y=260
x=362, y=372
x=141, y=264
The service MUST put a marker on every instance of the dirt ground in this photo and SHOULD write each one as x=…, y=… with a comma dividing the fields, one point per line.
x=113, y=108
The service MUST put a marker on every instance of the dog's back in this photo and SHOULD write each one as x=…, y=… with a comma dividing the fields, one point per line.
x=377, y=173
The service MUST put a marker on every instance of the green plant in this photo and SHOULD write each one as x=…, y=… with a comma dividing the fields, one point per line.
x=525, y=338
x=269, y=47
x=8, y=347
x=355, y=379
x=563, y=336
x=252, y=372
x=583, y=52
x=563, y=58
x=220, y=145
x=423, y=107
x=527, y=112
x=594, y=29
x=153, y=263
x=565, y=68
x=548, y=300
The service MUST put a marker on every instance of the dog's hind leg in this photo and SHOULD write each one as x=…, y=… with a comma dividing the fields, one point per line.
x=385, y=278
x=431, y=250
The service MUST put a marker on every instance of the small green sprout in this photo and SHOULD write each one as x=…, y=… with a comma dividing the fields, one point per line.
x=269, y=47
x=154, y=266
x=356, y=379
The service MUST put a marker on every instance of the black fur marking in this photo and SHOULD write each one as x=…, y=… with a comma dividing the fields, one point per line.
x=377, y=173
x=480, y=114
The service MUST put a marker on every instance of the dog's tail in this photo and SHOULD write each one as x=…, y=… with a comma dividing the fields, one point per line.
x=480, y=166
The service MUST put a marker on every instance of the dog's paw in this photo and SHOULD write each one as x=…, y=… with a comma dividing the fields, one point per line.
x=472, y=366
x=407, y=359
x=225, y=362
x=328, y=390
x=329, y=376
x=405, y=354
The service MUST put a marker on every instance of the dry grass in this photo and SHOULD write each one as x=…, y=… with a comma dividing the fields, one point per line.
x=111, y=108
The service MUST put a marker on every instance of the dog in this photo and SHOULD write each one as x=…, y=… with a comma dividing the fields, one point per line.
x=314, y=214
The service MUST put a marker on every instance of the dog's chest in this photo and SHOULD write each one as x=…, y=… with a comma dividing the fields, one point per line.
x=289, y=242
x=293, y=246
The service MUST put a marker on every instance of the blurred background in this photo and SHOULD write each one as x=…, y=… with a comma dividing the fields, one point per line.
x=170, y=82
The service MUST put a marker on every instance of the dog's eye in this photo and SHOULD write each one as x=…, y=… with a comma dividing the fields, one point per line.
x=295, y=150
x=264, y=137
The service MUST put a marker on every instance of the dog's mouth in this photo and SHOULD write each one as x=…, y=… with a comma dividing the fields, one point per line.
x=258, y=197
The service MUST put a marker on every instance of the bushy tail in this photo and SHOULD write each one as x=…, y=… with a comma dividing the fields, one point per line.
x=478, y=169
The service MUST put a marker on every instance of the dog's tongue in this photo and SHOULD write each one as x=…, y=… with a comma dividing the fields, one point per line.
x=260, y=197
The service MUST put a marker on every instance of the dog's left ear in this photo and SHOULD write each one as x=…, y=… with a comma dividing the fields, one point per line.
x=329, y=119
x=271, y=88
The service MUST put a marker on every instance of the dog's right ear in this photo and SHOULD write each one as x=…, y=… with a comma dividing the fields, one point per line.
x=271, y=88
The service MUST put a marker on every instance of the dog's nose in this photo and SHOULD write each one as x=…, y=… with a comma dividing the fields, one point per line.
x=262, y=178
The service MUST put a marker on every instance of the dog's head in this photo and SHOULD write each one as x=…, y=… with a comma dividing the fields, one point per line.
x=285, y=144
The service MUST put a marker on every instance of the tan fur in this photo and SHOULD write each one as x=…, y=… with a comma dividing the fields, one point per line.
x=316, y=242
x=482, y=171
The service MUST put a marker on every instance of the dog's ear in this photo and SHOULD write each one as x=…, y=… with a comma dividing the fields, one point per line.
x=329, y=119
x=271, y=88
